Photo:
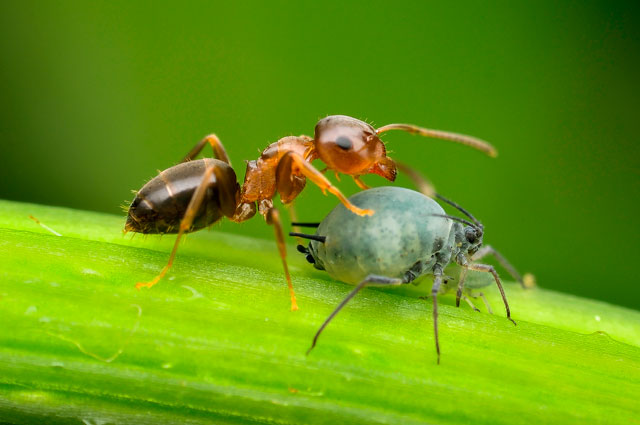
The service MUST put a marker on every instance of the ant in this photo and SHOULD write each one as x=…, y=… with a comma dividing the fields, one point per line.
x=197, y=193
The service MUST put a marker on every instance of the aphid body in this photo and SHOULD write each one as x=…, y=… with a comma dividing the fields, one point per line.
x=409, y=236
x=403, y=239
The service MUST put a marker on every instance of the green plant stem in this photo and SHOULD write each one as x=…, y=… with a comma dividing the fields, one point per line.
x=215, y=342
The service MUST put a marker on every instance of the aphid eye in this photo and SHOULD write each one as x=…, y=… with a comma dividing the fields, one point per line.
x=344, y=142
x=470, y=235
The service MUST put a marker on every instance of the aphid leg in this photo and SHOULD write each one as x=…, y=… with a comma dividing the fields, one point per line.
x=423, y=185
x=468, y=301
x=474, y=142
x=489, y=269
x=437, y=281
x=463, y=277
x=489, y=250
x=185, y=224
x=298, y=165
x=486, y=303
x=371, y=280
x=272, y=217
x=218, y=149
x=362, y=185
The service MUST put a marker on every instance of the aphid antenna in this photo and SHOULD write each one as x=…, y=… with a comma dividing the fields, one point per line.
x=460, y=220
x=321, y=239
x=459, y=208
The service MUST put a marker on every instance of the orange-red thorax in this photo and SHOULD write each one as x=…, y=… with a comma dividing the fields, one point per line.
x=260, y=178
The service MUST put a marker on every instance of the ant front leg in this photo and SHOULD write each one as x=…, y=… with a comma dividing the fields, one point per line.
x=218, y=149
x=272, y=217
x=527, y=282
x=292, y=165
x=185, y=224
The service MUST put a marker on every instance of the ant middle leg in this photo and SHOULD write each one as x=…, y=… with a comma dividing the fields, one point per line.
x=293, y=215
x=272, y=217
x=218, y=149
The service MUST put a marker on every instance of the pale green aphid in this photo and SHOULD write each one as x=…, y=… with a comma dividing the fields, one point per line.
x=408, y=236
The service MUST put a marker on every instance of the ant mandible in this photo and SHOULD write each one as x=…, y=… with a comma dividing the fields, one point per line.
x=197, y=193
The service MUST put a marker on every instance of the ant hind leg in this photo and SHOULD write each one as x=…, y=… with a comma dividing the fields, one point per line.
x=218, y=149
x=185, y=224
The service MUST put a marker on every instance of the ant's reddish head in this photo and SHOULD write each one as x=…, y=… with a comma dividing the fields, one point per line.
x=350, y=146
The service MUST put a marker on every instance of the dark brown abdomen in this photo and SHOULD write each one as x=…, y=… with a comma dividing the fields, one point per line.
x=161, y=203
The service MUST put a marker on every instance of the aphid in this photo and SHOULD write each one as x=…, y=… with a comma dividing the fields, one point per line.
x=409, y=236
x=197, y=193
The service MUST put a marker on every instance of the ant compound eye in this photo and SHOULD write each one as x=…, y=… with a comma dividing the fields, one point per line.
x=344, y=142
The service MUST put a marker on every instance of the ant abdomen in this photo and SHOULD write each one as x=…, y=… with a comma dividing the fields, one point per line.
x=161, y=204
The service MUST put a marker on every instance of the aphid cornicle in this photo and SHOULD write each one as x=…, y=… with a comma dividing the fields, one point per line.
x=197, y=193
x=409, y=236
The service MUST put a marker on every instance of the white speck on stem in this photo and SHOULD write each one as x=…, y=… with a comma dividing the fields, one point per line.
x=195, y=294
x=597, y=318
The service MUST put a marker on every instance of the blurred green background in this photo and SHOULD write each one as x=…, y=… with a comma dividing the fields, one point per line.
x=97, y=96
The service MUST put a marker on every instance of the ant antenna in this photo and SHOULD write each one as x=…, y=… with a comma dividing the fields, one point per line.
x=462, y=210
x=458, y=219
x=312, y=237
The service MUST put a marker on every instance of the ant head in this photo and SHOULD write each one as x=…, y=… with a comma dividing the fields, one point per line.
x=350, y=146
